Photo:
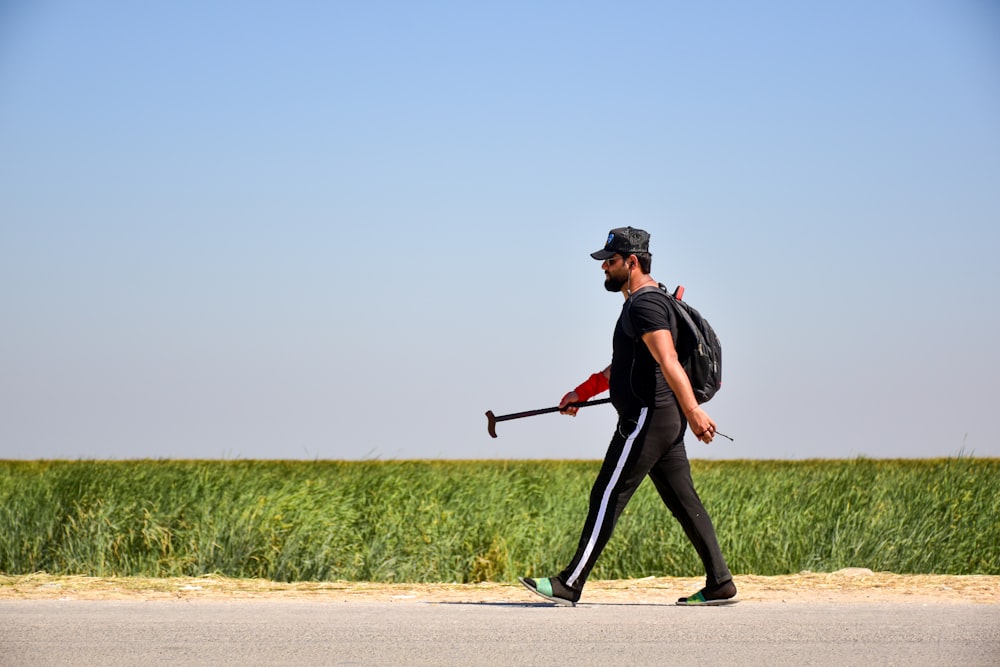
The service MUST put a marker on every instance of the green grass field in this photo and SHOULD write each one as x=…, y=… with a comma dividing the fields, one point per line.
x=470, y=521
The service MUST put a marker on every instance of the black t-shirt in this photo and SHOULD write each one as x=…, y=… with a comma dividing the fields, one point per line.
x=636, y=379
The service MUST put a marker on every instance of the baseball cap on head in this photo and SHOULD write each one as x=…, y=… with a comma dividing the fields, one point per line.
x=623, y=241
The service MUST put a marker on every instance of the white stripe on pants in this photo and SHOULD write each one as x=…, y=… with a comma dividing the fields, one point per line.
x=603, y=510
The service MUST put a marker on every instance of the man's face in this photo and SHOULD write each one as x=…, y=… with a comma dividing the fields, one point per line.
x=615, y=273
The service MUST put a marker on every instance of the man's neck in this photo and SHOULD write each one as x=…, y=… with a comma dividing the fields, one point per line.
x=637, y=282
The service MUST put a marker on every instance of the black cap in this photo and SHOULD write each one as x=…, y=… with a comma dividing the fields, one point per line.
x=623, y=241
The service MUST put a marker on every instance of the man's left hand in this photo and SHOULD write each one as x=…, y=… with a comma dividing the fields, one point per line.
x=701, y=425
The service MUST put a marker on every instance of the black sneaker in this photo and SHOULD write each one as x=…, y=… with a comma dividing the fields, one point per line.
x=551, y=589
x=711, y=595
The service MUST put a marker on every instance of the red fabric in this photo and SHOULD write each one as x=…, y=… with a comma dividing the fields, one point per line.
x=593, y=385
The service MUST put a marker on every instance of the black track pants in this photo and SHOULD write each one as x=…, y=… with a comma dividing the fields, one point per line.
x=647, y=442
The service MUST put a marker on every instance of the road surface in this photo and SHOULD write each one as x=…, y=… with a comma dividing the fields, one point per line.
x=422, y=632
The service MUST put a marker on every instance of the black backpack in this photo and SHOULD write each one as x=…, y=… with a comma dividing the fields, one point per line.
x=698, y=348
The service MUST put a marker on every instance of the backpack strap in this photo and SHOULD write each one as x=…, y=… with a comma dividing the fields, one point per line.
x=627, y=325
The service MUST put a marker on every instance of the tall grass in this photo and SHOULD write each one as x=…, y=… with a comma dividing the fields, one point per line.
x=423, y=521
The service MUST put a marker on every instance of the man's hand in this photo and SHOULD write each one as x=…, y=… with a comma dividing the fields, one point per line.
x=701, y=425
x=571, y=397
x=592, y=386
x=661, y=346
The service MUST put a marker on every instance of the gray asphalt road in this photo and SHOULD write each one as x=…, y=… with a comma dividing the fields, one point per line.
x=422, y=633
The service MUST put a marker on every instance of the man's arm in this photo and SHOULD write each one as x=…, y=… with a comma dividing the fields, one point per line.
x=574, y=397
x=661, y=346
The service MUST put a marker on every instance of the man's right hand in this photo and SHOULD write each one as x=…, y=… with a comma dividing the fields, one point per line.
x=571, y=397
x=589, y=388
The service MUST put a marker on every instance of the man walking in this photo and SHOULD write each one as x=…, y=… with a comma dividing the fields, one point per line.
x=655, y=403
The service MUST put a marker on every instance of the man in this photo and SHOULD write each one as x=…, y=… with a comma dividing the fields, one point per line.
x=655, y=403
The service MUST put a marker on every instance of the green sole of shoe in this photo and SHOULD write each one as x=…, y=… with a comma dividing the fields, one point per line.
x=559, y=601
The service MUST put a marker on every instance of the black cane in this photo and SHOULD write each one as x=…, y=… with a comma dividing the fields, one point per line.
x=492, y=419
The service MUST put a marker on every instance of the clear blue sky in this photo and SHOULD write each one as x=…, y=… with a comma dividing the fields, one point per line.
x=347, y=229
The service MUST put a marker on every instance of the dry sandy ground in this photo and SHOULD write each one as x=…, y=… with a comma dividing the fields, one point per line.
x=854, y=585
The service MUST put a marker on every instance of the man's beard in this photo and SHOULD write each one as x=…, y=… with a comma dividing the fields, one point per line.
x=613, y=284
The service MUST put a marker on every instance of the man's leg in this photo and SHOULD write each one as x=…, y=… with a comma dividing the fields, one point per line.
x=672, y=478
x=617, y=481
